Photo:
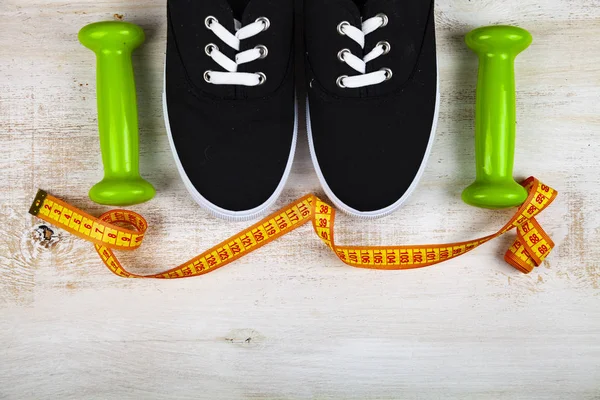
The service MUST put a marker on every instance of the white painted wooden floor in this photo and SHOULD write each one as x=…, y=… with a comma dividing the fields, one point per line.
x=290, y=321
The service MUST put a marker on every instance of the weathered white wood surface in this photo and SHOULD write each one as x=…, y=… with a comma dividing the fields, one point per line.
x=290, y=321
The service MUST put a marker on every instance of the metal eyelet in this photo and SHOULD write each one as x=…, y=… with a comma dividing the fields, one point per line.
x=384, y=19
x=208, y=21
x=312, y=82
x=342, y=53
x=265, y=22
x=210, y=48
x=388, y=73
x=340, y=81
x=340, y=27
x=386, y=46
x=207, y=76
x=262, y=78
x=263, y=50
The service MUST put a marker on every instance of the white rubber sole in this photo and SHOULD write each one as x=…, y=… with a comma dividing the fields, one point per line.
x=212, y=208
x=393, y=207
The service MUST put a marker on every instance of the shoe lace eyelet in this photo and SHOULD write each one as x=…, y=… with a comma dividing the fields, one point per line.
x=340, y=81
x=340, y=27
x=386, y=46
x=262, y=78
x=207, y=76
x=341, y=54
x=210, y=48
x=384, y=19
x=208, y=21
x=263, y=50
x=265, y=22
x=388, y=73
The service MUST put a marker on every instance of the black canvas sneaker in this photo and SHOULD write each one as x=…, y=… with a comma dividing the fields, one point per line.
x=229, y=101
x=372, y=99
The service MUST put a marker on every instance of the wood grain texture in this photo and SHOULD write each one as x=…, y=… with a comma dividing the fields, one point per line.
x=290, y=321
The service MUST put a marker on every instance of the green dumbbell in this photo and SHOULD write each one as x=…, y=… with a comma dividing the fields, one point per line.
x=497, y=48
x=113, y=42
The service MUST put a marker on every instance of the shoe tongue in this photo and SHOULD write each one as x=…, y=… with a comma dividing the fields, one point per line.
x=238, y=7
x=233, y=11
x=367, y=8
x=350, y=7
x=361, y=5
x=252, y=10
x=373, y=7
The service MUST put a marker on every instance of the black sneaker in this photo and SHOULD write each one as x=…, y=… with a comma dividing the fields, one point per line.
x=373, y=97
x=229, y=101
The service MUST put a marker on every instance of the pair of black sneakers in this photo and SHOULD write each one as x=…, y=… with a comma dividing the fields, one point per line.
x=232, y=114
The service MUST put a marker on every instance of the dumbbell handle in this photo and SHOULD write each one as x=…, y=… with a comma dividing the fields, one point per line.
x=113, y=43
x=117, y=113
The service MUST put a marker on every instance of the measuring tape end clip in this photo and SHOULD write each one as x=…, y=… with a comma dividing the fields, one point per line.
x=37, y=202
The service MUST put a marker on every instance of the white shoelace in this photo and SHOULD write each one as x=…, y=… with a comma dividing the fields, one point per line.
x=360, y=65
x=232, y=77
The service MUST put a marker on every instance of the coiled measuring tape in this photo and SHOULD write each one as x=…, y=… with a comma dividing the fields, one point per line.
x=528, y=251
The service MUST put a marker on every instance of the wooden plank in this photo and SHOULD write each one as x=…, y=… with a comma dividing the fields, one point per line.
x=290, y=321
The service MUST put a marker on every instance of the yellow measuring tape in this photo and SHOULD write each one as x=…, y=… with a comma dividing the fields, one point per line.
x=530, y=248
